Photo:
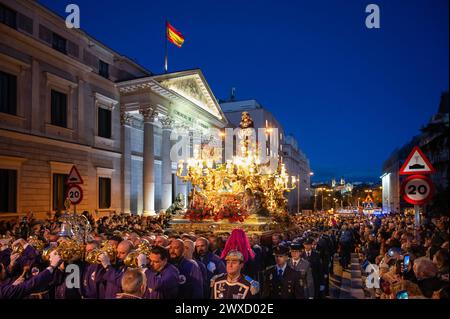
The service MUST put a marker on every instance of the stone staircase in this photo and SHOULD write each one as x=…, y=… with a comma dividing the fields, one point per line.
x=351, y=281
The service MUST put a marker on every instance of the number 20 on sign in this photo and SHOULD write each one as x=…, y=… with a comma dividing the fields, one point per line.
x=74, y=194
x=417, y=189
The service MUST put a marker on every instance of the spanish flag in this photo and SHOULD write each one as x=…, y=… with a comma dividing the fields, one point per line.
x=174, y=35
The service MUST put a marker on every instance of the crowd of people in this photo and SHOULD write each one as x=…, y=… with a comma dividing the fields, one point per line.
x=399, y=259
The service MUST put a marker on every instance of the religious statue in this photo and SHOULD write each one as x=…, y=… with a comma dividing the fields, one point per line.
x=246, y=121
x=248, y=201
x=177, y=206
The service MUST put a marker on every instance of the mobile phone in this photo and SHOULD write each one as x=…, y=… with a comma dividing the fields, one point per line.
x=402, y=295
x=405, y=263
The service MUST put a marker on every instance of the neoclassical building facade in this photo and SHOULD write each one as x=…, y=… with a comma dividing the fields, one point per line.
x=66, y=99
x=153, y=107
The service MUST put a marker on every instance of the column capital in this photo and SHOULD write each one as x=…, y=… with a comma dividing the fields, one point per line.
x=125, y=118
x=167, y=122
x=149, y=113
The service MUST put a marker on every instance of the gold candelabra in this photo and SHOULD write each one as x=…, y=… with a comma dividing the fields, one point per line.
x=243, y=179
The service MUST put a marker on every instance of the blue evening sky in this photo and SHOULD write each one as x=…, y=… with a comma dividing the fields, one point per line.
x=349, y=94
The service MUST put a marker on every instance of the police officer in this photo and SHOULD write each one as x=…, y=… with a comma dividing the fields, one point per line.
x=281, y=281
x=301, y=265
x=325, y=249
x=316, y=265
x=232, y=284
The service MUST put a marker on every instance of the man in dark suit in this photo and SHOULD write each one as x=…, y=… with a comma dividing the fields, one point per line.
x=316, y=265
x=281, y=281
x=325, y=250
x=301, y=265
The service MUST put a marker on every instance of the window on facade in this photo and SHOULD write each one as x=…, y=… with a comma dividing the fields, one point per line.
x=8, y=191
x=104, y=192
x=59, y=43
x=104, y=122
x=58, y=108
x=8, y=16
x=8, y=93
x=103, y=69
x=59, y=191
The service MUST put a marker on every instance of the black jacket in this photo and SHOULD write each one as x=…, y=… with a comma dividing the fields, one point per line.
x=317, y=271
x=286, y=287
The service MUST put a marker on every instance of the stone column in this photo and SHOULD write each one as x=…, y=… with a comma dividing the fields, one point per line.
x=166, y=168
x=149, y=115
x=125, y=121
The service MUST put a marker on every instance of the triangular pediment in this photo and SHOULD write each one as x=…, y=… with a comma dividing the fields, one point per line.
x=192, y=86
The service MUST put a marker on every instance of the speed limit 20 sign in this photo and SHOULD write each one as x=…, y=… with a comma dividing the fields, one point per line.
x=74, y=194
x=417, y=189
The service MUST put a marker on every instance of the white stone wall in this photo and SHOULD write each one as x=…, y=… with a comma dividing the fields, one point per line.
x=137, y=197
x=35, y=174
x=28, y=135
x=137, y=140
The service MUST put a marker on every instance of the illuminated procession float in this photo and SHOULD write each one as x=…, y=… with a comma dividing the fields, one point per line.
x=246, y=191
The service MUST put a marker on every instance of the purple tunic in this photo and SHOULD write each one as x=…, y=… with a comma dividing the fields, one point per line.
x=162, y=285
x=191, y=280
x=111, y=278
x=34, y=284
x=91, y=286
x=214, y=265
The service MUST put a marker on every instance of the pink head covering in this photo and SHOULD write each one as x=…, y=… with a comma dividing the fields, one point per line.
x=238, y=241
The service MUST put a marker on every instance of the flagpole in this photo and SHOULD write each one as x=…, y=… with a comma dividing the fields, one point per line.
x=165, y=56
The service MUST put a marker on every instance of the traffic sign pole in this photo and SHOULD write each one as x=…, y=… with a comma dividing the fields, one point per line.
x=417, y=215
x=417, y=189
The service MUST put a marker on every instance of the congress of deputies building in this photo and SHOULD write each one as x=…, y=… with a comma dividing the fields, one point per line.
x=66, y=99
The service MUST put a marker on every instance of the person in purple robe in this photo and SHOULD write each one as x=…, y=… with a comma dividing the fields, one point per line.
x=191, y=278
x=19, y=288
x=162, y=277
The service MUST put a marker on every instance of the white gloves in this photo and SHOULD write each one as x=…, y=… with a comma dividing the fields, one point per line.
x=104, y=259
x=322, y=287
x=141, y=260
x=54, y=259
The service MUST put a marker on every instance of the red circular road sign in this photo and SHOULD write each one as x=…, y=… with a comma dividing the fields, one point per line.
x=74, y=194
x=417, y=189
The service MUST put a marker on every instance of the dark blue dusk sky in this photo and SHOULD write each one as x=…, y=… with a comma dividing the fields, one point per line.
x=350, y=95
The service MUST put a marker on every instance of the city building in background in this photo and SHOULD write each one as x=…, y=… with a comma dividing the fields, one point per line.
x=433, y=140
x=296, y=162
x=61, y=107
x=67, y=100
